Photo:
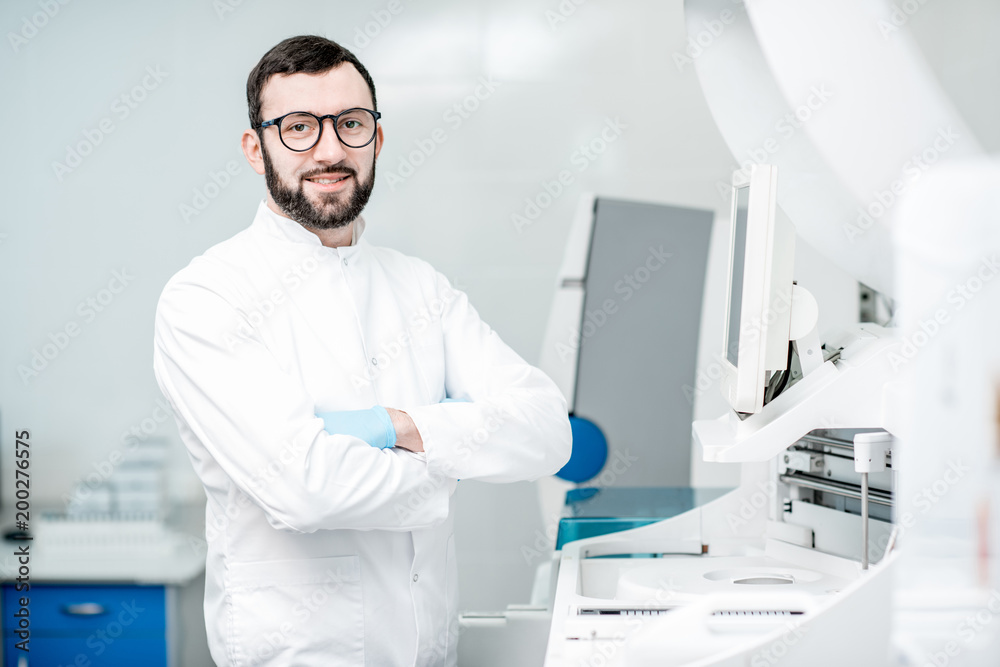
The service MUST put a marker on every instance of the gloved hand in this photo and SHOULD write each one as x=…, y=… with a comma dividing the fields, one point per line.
x=373, y=425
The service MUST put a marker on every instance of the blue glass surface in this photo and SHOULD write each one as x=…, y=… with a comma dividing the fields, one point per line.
x=590, y=512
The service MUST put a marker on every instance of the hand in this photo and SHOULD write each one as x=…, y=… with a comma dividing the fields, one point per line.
x=407, y=435
x=373, y=425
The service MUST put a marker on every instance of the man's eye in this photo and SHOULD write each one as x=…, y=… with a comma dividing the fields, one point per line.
x=299, y=127
x=351, y=124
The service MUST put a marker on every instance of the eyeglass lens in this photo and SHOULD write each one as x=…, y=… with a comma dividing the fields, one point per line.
x=301, y=131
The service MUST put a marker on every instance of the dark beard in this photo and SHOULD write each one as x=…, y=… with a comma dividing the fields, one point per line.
x=295, y=204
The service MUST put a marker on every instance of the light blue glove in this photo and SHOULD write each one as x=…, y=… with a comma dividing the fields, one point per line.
x=373, y=425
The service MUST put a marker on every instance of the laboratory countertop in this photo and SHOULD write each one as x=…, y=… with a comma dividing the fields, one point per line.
x=104, y=550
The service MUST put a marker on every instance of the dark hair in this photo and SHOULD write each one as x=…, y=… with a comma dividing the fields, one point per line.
x=308, y=54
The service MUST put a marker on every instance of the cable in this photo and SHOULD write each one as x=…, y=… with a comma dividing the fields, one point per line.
x=774, y=388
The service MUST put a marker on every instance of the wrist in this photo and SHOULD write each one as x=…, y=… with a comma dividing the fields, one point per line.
x=388, y=426
x=407, y=435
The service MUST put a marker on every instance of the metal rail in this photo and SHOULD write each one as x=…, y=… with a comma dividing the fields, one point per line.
x=839, y=488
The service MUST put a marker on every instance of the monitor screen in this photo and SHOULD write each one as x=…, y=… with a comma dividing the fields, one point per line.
x=742, y=196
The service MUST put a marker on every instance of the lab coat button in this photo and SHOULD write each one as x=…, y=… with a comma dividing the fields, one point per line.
x=415, y=577
x=345, y=261
x=374, y=361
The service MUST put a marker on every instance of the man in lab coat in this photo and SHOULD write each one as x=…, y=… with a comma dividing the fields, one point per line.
x=295, y=355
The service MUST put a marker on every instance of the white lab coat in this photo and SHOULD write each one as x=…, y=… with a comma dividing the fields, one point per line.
x=321, y=549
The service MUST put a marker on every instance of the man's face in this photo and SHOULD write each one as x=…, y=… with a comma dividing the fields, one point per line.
x=327, y=186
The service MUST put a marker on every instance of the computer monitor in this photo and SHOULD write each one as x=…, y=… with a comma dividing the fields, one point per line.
x=759, y=297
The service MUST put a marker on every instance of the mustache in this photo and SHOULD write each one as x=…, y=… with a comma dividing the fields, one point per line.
x=344, y=170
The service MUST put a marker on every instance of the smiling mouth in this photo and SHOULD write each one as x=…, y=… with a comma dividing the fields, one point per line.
x=328, y=179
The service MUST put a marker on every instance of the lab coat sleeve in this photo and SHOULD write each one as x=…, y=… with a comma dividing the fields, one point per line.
x=514, y=427
x=257, y=423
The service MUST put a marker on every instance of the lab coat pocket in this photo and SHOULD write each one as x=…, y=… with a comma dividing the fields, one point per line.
x=302, y=612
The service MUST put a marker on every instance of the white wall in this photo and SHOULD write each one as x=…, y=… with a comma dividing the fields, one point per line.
x=558, y=83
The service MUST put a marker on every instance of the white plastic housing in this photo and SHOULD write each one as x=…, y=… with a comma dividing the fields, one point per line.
x=760, y=296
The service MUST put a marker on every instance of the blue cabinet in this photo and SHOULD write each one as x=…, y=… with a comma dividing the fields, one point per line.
x=89, y=625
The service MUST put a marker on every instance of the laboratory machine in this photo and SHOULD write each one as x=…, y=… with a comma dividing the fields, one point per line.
x=864, y=527
x=803, y=539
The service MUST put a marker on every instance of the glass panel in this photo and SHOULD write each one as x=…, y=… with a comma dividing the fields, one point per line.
x=736, y=284
x=356, y=126
x=299, y=130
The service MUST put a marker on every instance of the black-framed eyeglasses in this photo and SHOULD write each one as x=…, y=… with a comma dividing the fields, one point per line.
x=299, y=131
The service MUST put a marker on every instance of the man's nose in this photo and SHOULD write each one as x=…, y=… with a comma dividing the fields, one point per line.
x=329, y=148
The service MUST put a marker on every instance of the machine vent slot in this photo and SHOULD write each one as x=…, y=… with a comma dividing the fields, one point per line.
x=623, y=612
x=748, y=613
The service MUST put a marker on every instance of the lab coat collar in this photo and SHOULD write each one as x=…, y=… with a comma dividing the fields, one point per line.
x=289, y=230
